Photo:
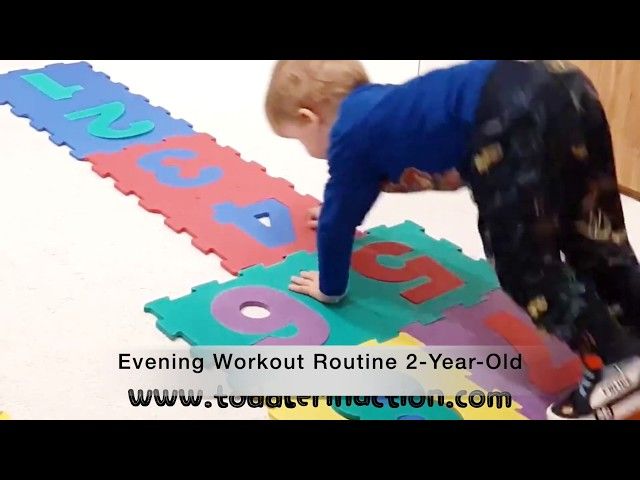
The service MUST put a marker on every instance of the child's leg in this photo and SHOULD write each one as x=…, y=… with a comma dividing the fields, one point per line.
x=520, y=229
x=519, y=183
x=594, y=233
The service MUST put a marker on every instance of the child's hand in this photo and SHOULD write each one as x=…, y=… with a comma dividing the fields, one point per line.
x=308, y=283
x=312, y=217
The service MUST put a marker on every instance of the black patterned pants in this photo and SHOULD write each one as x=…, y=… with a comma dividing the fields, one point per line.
x=543, y=177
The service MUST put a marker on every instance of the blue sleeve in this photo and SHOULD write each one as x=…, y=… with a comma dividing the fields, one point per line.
x=348, y=197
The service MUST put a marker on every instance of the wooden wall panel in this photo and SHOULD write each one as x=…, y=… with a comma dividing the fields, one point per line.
x=618, y=83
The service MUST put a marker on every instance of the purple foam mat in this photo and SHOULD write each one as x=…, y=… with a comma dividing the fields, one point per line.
x=465, y=327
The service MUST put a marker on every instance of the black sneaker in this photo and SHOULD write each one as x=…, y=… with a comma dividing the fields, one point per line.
x=577, y=405
x=605, y=394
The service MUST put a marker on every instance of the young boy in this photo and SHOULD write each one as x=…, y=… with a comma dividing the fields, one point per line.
x=532, y=142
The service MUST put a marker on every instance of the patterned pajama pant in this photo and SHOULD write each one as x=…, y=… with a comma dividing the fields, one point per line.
x=544, y=180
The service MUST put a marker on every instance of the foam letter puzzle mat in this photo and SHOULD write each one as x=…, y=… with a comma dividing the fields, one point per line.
x=466, y=309
x=215, y=196
x=375, y=309
x=396, y=260
x=340, y=410
x=550, y=368
x=230, y=207
x=84, y=109
x=453, y=409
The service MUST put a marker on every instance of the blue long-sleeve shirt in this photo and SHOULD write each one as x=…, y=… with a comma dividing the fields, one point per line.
x=384, y=133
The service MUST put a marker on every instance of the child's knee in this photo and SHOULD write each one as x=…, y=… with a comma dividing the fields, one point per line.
x=555, y=301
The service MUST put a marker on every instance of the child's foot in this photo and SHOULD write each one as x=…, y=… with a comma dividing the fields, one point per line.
x=604, y=394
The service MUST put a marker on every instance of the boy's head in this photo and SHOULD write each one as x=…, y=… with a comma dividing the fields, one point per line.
x=304, y=96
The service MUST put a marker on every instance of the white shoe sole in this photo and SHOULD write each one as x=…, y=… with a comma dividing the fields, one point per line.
x=618, y=382
x=620, y=410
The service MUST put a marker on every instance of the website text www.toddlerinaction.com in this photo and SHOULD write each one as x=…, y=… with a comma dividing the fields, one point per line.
x=463, y=399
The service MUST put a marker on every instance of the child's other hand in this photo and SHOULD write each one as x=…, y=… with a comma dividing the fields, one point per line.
x=308, y=283
x=312, y=217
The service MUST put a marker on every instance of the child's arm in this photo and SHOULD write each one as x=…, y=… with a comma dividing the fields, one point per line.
x=347, y=199
x=343, y=211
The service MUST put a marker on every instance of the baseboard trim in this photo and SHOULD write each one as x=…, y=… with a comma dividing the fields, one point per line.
x=629, y=192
